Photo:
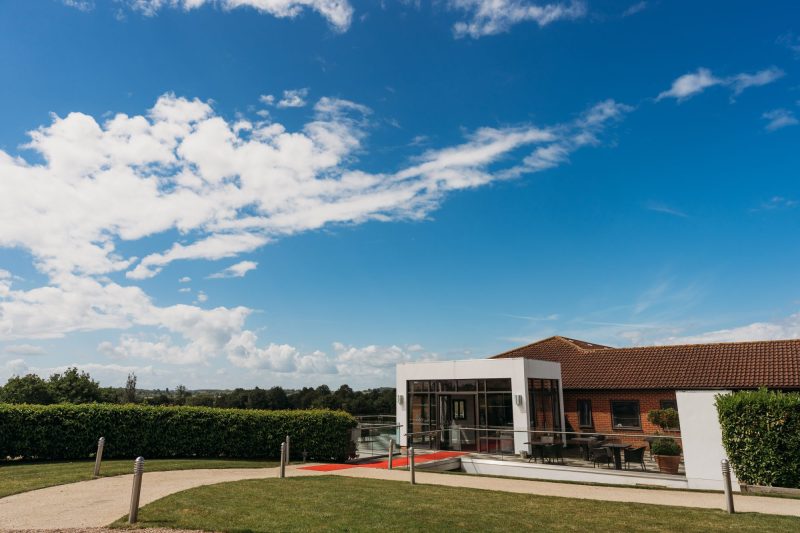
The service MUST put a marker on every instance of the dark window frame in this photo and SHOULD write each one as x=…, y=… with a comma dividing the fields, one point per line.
x=626, y=426
x=580, y=414
x=668, y=404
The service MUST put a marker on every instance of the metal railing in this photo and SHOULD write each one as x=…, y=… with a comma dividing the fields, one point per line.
x=503, y=440
x=373, y=440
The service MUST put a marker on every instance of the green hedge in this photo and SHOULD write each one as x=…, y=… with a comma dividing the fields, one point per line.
x=761, y=434
x=67, y=431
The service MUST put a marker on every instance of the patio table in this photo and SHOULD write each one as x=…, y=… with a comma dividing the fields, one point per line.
x=584, y=444
x=616, y=447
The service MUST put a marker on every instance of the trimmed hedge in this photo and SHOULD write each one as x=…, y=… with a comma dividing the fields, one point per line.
x=761, y=434
x=66, y=431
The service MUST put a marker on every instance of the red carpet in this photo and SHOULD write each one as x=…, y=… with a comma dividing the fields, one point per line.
x=398, y=462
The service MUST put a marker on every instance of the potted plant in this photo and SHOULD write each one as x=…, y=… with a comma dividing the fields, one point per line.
x=667, y=454
x=666, y=419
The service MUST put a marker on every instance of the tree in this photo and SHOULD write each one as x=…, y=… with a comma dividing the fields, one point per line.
x=181, y=394
x=74, y=387
x=27, y=389
x=129, y=395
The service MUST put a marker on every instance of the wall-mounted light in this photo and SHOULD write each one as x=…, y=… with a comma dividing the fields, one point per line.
x=399, y=399
x=518, y=399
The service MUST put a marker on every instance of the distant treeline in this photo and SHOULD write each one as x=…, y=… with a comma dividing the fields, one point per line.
x=78, y=387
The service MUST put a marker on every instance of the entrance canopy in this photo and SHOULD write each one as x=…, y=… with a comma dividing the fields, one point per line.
x=484, y=405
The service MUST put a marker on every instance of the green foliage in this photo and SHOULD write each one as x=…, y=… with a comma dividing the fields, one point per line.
x=761, y=434
x=27, y=389
x=66, y=431
x=665, y=446
x=664, y=418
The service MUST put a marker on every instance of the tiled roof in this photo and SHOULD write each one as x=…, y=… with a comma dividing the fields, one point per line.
x=732, y=365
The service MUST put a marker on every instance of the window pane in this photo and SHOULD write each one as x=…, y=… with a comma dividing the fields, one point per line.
x=498, y=385
x=625, y=414
x=585, y=413
x=669, y=404
x=466, y=385
x=419, y=386
x=447, y=385
x=499, y=411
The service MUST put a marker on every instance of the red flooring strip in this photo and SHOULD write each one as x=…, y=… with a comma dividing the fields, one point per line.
x=398, y=462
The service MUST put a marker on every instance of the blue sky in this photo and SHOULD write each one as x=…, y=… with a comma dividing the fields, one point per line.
x=306, y=192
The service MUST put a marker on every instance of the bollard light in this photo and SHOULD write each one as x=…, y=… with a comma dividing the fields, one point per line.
x=391, y=454
x=283, y=460
x=726, y=480
x=411, y=465
x=138, y=471
x=288, y=448
x=99, y=457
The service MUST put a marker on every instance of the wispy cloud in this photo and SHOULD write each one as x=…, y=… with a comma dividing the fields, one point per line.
x=787, y=328
x=667, y=210
x=694, y=83
x=776, y=203
x=338, y=13
x=779, y=118
x=490, y=17
x=293, y=98
x=635, y=8
x=235, y=271
x=24, y=349
x=790, y=41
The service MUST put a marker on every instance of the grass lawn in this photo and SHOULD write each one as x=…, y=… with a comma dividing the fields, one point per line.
x=350, y=504
x=24, y=476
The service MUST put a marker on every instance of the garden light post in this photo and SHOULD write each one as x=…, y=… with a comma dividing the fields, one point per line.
x=283, y=460
x=99, y=457
x=391, y=454
x=138, y=471
x=411, y=465
x=726, y=478
x=288, y=448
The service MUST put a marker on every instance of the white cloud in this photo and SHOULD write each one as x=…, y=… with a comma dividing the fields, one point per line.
x=779, y=118
x=226, y=187
x=82, y=5
x=236, y=271
x=790, y=41
x=694, y=83
x=788, y=328
x=688, y=85
x=776, y=203
x=202, y=297
x=743, y=81
x=24, y=349
x=185, y=279
x=293, y=98
x=635, y=8
x=490, y=17
x=338, y=13
x=267, y=99
x=185, y=289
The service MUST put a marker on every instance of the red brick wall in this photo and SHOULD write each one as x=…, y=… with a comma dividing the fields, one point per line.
x=601, y=411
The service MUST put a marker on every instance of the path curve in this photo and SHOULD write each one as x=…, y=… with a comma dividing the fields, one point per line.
x=101, y=501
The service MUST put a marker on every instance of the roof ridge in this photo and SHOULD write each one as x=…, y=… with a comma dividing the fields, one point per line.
x=719, y=343
x=559, y=338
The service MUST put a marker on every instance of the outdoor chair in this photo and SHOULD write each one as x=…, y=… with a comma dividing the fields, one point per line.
x=601, y=455
x=552, y=452
x=635, y=455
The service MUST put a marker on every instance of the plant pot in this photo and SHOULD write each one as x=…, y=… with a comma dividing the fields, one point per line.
x=668, y=463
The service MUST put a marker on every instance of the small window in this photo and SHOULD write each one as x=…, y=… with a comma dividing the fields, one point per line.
x=625, y=414
x=669, y=404
x=585, y=413
x=459, y=410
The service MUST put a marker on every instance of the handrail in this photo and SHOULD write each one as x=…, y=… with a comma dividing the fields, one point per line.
x=640, y=436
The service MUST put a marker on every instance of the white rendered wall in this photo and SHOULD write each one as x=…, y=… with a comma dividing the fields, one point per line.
x=702, y=439
x=518, y=369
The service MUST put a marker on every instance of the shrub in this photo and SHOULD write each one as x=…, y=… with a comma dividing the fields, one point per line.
x=665, y=446
x=66, y=431
x=761, y=435
x=664, y=418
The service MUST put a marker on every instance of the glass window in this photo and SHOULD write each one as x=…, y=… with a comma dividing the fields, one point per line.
x=625, y=414
x=419, y=386
x=447, y=385
x=498, y=385
x=585, y=413
x=669, y=404
x=499, y=410
x=467, y=385
x=459, y=410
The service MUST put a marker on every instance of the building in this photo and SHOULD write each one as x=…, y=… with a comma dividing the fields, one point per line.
x=560, y=386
